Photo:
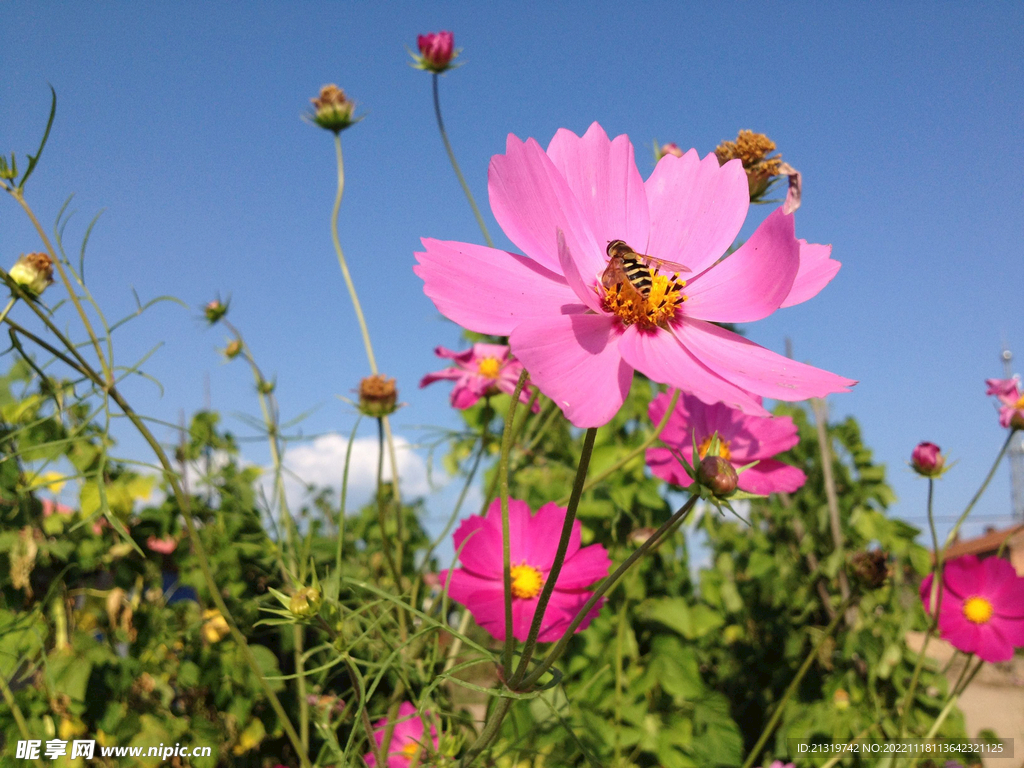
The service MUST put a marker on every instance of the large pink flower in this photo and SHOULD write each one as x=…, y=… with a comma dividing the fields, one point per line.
x=483, y=369
x=743, y=439
x=982, y=608
x=478, y=584
x=581, y=342
x=407, y=739
x=1011, y=399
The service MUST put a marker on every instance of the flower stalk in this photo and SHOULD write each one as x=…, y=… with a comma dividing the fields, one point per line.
x=506, y=544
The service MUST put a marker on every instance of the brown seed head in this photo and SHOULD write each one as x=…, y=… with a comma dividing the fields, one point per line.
x=872, y=568
x=378, y=395
x=753, y=150
x=33, y=272
x=333, y=110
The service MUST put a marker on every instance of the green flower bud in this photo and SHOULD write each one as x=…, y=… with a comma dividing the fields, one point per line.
x=305, y=603
x=718, y=475
x=33, y=272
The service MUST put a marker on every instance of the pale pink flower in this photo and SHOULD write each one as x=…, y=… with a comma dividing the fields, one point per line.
x=742, y=440
x=163, y=546
x=982, y=608
x=1011, y=398
x=53, y=507
x=437, y=49
x=581, y=342
x=479, y=583
x=481, y=370
x=407, y=740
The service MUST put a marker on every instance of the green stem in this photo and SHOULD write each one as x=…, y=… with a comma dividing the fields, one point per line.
x=981, y=490
x=344, y=495
x=648, y=441
x=556, y=566
x=506, y=544
x=10, y=305
x=794, y=684
x=19, y=719
x=488, y=733
x=961, y=685
x=341, y=258
x=455, y=167
x=382, y=520
x=606, y=586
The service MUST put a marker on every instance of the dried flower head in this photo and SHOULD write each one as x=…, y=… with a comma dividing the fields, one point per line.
x=33, y=272
x=753, y=150
x=378, y=395
x=332, y=110
x=872, y=568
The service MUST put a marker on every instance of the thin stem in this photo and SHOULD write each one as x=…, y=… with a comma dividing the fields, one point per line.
x=961, y=685
x=506, y=543
x=344, y=495
x=556, y=566
x=19, y=719
x=341, y=258
x=488, y=733
x=606, y=586
x=455, y=167
x=820, y=410
x=10, y=305
x=648, y=441
x=981, y=490
x=794, y=684
x=382, y=519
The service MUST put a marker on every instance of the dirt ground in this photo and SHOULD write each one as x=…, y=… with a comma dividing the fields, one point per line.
x=994, y=700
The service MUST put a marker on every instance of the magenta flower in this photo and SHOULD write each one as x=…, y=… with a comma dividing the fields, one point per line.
x=407, y=739
x=478, y=584
x=163, y=546
x=742, y=439
x=581, y=341
x=437, y=49
x=1011, y=410
x=484, y=369
x=982, y=608
x=927, y=459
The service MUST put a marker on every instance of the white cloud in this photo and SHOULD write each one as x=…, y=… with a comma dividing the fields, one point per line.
x=322, y=463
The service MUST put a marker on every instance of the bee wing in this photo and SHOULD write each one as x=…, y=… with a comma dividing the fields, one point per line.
x=671, y=266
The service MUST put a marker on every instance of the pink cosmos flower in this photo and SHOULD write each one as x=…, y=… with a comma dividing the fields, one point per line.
x=484, y=369
x=479, y=584
x=581, y=341
x=407, y=739
x=742, y=439
x=1008, y=391
x=982, y=608
x=437, y=49
x=163, y=546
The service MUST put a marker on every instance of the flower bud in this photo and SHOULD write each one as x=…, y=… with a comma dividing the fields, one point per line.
x=378, y=395
x=668, y=149
x=33, y=272
x=871, y=568
x=233, y=349
x=437, y=49
x=215, y=310
x=266, y=387
x=926, y=460
x=718, y=475
x=332, y=110
x=305, y=603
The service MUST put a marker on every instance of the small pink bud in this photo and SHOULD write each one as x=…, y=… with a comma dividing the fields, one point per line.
x=670, y=149
x=927, y=460
x=437, y=49
x=718, y=475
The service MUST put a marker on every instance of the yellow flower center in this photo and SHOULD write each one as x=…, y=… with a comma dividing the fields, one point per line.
x=650, y=312
x=526, y=581
x=723, y=448
x=410, y=749
x=489, y=367
x=1019, y=403
x=978, y=610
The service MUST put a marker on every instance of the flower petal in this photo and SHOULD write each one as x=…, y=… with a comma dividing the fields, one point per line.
x=481, y=553
x=1012, y=630
x=541, y=541
x=816, y=271
x=963, y=577
x=583, y=568
x=696, y=207
x=487, y=290
x=573, y=359
x=602, y=174
x=752, y=282
x=443, y=375
x=771, y=476
x=754, y=368
x=660, y=357
x=664, y=464
x=531, y=201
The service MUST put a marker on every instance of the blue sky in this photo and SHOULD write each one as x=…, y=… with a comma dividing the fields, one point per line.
x=182, y=122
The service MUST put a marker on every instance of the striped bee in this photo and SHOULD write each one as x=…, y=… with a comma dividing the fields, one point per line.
x=631, y=271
